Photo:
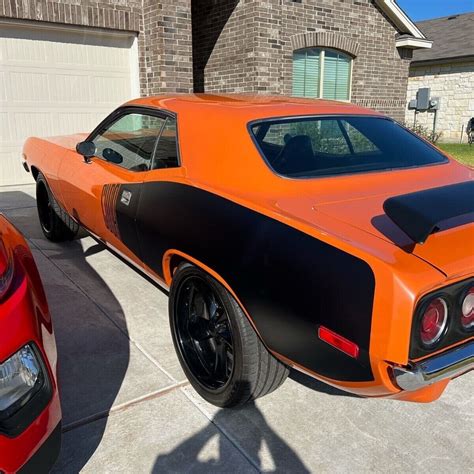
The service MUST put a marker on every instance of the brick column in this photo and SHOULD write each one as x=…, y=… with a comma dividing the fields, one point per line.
x=224, y=37
x=166, y=63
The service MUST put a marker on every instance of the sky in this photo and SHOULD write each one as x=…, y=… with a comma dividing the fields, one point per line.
x=426, y=9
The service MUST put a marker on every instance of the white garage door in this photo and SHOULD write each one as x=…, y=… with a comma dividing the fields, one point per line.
x=57, y=81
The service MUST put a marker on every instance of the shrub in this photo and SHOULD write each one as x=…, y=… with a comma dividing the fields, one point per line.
x=424, y=132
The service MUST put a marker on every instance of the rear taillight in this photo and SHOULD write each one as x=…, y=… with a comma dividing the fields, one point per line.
x=433, y=322
x=6, y=268
x=467, y=309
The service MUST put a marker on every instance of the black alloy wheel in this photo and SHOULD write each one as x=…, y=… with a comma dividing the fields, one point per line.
x=217, y=346
x=52, y=226
x=204, y=333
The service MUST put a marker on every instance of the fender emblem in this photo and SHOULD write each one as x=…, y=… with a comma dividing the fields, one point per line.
x=126, y=197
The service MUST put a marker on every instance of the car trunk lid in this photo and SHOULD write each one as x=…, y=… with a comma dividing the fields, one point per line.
x=358, y=201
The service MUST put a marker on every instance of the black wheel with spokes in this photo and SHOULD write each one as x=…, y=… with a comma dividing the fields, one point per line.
x=204, y=332
x=219, y=350
x=52, y=226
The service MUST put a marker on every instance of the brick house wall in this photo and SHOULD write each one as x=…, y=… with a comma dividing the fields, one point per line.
x=166, y=49
x=241, y=45
x=247, y=46
x=163, y=28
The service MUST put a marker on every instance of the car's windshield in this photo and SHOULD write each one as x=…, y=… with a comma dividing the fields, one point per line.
x=306, y=147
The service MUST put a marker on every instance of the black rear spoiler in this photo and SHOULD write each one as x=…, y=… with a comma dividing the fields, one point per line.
x=419, y=214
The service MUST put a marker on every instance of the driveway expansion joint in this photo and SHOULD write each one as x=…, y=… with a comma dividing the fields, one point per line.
x=124, y=406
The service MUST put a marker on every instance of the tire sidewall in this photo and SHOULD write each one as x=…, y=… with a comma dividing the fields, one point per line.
x=58, y=230
x=41, y=182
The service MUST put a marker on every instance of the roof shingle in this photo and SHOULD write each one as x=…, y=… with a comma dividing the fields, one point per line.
x=452, y=36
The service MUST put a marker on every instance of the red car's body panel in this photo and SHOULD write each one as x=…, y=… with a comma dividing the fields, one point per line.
x=25, y=319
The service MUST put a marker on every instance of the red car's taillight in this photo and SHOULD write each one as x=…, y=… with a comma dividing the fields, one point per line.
x=433, y=322
x=6, y=269
x=467, y=309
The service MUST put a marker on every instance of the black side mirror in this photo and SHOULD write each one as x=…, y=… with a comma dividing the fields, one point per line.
x=86, y=149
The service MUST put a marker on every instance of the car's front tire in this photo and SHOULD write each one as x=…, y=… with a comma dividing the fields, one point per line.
x=53, y=227
x=217, y=347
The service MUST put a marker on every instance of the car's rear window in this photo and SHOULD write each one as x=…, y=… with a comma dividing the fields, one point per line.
x=306, y=147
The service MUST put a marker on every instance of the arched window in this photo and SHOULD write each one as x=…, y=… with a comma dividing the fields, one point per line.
x=321, y=73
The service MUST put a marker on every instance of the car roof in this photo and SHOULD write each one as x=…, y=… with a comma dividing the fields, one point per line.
x=250, y=107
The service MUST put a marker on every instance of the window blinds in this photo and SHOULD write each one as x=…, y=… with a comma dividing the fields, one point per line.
x=307, y=70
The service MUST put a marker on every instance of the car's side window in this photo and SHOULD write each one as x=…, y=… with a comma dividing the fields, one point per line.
x=166, y=153
x=130, y=141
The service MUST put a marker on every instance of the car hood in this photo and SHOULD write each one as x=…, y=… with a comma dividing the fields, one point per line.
x=358, y=202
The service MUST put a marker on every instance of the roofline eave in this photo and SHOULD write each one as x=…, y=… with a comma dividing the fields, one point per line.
x=413, y=43
x=399, y=18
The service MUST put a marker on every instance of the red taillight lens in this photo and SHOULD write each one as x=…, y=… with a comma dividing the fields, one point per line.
x=467, y=309
x=433, y=322
x=3, y=258
x=6, y=268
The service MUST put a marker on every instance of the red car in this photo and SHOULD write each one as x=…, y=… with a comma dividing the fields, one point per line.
x=30, y=412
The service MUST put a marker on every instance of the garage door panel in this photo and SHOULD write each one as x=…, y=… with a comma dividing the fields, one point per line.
x=21, y=51
x=3, y=87
x=70, y=88
x=58, y=81
x=75, y=123
x=5, y=134
x=25, y=124
x=11, y=171
x=74, y=54
x=105, y=57
x=104, y=90
x=27, y=86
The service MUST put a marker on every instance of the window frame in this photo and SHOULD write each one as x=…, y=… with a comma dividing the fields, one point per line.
x=261, y=121
x=157, y=144
x=322, y=57
x=143, y=110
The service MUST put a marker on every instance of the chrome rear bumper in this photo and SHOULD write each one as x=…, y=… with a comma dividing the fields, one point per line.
x=447, y=365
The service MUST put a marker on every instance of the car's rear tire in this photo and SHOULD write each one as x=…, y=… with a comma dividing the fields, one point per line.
x=53, y=227
x=217, y=347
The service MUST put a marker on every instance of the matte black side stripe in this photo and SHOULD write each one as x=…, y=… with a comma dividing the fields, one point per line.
x=289, y=282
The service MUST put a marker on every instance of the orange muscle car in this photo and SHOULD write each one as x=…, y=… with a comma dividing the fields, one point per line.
x=290, y=233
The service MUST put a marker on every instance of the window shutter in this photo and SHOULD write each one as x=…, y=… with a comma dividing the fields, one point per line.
x=306, y=73
x=337, y=69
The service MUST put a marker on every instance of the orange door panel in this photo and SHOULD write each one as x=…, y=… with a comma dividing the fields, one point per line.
x=89, y=194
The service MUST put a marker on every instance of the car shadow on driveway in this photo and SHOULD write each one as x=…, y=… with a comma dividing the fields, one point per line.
x=262, y=447
x=93, y=353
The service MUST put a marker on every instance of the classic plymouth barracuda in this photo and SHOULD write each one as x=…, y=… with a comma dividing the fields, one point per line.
x=30, y=413
x=291, y=233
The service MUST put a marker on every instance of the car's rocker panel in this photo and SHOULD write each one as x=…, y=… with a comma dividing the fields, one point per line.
x=335, y=289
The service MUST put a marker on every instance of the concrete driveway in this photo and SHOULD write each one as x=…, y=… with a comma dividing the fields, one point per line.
x=128, y=408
